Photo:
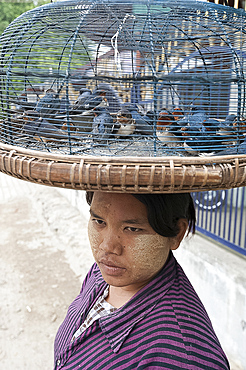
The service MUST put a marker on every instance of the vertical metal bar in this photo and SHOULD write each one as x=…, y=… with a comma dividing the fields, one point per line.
x=242, y=190
x=235, y=216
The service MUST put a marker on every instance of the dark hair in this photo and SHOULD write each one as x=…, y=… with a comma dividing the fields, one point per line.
x=165, y=210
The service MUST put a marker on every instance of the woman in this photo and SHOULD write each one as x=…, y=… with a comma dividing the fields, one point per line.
x=136, y=308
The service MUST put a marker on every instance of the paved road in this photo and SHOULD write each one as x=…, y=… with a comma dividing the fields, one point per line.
x=44, y=256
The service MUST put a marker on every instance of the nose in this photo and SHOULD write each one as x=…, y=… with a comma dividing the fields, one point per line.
x=111, y=243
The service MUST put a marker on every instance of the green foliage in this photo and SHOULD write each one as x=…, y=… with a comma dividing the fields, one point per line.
x=11, y=9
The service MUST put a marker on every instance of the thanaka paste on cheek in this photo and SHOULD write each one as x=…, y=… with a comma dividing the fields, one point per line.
x=149, y=253
x=93, y=238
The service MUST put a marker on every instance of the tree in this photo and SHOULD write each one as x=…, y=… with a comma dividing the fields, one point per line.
x=11, y=9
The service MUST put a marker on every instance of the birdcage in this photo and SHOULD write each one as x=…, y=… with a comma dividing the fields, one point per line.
x=121, y=95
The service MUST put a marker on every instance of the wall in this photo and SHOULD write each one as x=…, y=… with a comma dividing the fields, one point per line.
x=218, y=275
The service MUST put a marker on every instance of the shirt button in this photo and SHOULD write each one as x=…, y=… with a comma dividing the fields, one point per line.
x=58, y=362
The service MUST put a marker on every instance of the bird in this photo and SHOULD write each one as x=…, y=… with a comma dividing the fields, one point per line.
x=193, y=122
x=78, y=106
x=93, y=101
x=49, y=104
x=110, y=94
x=177, y=113
x=167, y=128
x=235, y=150
x=125, y=124
x=143, y=123
x=165, y=118
x=197, y=139
x=227, y=127
x=102, y=125
x=65, y=126
x=197, y=116
x=38, y=127
x=211, y=124
x=228, y=123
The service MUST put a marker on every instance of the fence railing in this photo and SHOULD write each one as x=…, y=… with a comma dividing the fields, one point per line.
x=221, y=215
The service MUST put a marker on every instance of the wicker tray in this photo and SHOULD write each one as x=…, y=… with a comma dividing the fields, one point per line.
x=131, y=175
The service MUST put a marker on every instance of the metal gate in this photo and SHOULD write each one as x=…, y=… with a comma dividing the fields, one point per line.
x=221, y=215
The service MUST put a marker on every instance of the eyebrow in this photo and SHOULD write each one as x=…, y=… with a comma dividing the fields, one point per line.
x=93, y=214
x=133, y=221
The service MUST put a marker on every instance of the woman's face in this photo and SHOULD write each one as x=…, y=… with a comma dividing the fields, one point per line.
x=127, y=250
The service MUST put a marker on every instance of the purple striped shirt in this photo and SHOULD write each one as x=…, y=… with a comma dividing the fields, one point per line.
x=163, y=326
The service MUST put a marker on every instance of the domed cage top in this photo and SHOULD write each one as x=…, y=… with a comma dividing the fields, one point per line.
x=156, y=84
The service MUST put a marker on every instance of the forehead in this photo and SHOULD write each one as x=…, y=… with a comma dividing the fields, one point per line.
x=121, y=205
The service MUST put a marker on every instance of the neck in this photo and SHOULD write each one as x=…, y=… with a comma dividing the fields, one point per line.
x=119, y=296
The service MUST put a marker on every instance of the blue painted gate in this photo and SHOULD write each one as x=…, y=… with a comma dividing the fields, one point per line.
x=221, y=215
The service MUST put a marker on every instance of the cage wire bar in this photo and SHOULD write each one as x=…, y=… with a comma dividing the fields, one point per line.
x=120, y=78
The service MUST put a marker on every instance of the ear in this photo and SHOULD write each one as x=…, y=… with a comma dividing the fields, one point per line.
x=183, y=226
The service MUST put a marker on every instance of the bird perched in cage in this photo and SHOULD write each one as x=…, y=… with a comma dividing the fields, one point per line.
x=211, y=124
x=226, y=127
x=94, y=101
x=177, y=113
x=143, y=123
x=167, y=129
x=107, y=91
x=78, y=106
x=68, y=125
x=195, y=117
x=102, y=125
x=226, y=130
x=49, y=104
x=237, y=149
x=165, y=118
x=39, y=128
x=197, y=140
x=193, y=121
x=125, y=124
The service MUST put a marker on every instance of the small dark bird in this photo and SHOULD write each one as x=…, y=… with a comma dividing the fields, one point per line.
x=227, y=128
x=94, y=101
x=166, y=121
x=197, y=139
x=49, y=104
x=165, y=118
x=177, y=113
x=143, y=123
x=197, y=117
x=227, y=124
x=125, y=124
x=37, y=127
x=102, y=125
x=112, y=97
x=236, y=149
x=211, y=124
x=78, y=106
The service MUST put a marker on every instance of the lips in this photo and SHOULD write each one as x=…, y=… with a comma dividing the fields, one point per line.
x=110, y=268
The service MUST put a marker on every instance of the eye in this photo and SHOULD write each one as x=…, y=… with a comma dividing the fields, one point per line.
x=133, y=229
x=98, y=222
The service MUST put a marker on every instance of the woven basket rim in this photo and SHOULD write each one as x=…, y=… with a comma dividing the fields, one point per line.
x=124, y=174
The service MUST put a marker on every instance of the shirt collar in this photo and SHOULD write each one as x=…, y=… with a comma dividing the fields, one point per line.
x=140, y=305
